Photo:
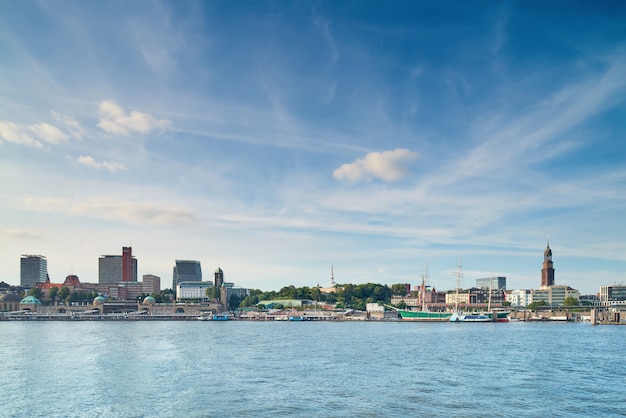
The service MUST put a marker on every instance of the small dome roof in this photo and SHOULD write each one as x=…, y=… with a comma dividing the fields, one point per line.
x=149, y=300
x=30, y=300
x=10, y=297
x=99, y=299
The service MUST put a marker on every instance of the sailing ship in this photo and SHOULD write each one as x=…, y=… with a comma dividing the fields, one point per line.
x=424, y=315
x=497, y=315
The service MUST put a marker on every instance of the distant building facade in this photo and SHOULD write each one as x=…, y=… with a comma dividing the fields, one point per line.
x=555, y=295
x=129, y=290
x=218, y=277
x=495, y=283
x=111, y=269
x=520, y=298
x=228, y=290
x=33, y=269
x=192, y=290
x=186, y=271
x=613, y=295
x=151, y=284
x=9, y=302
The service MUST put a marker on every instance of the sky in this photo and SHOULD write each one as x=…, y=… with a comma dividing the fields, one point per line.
x=277, y=139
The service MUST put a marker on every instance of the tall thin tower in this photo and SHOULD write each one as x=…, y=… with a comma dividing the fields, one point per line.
x=127, y=264
x=547, y=272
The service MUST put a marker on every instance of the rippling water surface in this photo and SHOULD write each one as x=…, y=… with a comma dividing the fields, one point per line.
x=324, y=369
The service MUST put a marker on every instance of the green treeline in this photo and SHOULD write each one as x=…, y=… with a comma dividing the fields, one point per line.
x=347, y=295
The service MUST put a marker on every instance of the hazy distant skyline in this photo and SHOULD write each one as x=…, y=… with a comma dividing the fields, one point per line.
x=275, y=139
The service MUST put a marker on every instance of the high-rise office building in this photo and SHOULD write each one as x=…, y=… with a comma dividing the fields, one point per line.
x=151, y=284
x=186, y=271
x=112, y=269
x=33, y=269
x=127, y=265
x=218, y=277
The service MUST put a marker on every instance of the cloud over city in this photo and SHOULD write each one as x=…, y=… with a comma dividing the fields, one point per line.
x=387, y=166
x=115, y=120
x=89, y=161
x=142, y=213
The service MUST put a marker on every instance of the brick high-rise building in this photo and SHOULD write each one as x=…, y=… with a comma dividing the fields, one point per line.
x=127, y=264
x=113, y=269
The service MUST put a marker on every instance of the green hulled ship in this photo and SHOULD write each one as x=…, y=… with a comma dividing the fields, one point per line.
x=424, y=315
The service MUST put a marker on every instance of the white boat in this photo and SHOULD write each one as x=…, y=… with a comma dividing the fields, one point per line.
x=498, y=315
x=471, y=317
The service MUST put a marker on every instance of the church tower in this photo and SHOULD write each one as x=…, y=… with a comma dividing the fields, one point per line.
x=547, y=272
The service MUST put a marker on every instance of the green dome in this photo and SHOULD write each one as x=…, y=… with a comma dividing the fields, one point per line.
x=98, y=299
x=31, y=300
x=149, y=300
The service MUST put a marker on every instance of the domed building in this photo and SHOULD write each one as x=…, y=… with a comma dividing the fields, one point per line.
x=98, y=300
x=30, y=303
x=149, y=300
x=9, y=302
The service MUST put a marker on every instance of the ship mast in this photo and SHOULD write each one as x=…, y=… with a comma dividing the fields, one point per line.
x=459, y=276
x=490, y=288
x=423, y=290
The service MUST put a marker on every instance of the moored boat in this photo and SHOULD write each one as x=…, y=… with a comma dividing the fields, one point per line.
x=470, y=317
x=500, y=316
x=407, y=315
x=424, y=314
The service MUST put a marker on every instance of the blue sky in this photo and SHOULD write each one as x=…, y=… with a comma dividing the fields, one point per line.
x=275, y=139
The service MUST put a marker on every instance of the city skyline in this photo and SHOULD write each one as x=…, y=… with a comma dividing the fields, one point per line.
x=275, y=139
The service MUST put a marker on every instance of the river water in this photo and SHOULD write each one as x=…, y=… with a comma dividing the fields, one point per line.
x=317, y=369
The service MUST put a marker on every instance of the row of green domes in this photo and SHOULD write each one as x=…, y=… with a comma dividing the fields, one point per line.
x=31, y=300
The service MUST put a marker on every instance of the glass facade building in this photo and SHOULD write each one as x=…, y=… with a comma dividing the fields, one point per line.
x=33, y=269
x=186, y=271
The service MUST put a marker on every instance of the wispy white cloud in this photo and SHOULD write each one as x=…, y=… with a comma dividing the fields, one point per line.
x=142, y=213
x=323, y=25
x=20, y=234
x=17, y=134
x=49, y=133
x=115, y=120
x=514, y=141
x=32, y=135
x=89, y=161
x=71, y=124
x=387, y=166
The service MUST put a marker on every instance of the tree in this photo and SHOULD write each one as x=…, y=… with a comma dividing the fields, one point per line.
x=36, y=292
x=533, y=306
x=233, y=302
x=213, y=292
x=398, y=289
x=52, y=294
x=64, y=293
x=249, y=301
x=316, y=293
x=570, y=301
